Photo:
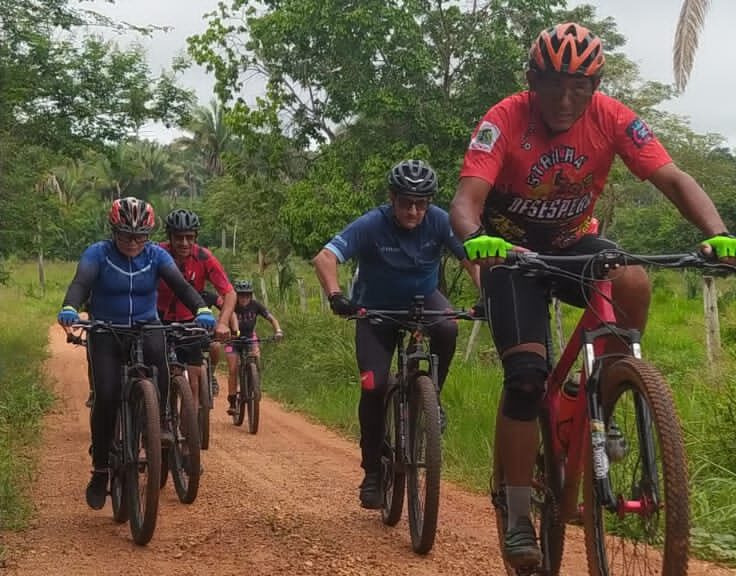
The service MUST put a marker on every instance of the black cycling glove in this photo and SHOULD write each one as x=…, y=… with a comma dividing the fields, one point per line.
x=341, y=305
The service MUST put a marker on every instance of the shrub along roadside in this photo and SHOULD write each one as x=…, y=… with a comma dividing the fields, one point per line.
x=24, y=394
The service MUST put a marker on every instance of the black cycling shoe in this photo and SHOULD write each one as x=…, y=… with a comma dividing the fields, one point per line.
x=231, y=402
x=97, y=489
x=215, y=386
x=370, y=491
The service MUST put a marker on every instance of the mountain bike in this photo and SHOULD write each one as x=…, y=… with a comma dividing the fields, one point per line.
x=623, y=439
x=412, y=453
x=248, y=395
x=135, y=453
x=182, y=458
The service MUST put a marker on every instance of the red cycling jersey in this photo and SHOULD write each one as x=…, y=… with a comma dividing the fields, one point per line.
x=544, y=186
x=201, y=266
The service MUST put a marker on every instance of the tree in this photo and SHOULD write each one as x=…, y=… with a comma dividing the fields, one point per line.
x=689, y=26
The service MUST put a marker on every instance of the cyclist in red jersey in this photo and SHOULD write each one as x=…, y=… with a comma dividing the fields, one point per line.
x=198, y=266
x=535, y=167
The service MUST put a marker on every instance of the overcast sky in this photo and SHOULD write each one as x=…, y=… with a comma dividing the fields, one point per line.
x=648, y=25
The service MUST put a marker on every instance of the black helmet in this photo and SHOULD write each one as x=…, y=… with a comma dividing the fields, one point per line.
x=182, y=221
x=412, y=177
x=243, y=287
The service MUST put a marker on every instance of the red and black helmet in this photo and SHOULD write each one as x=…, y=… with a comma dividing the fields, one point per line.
x=568, y=48
x=131, y=215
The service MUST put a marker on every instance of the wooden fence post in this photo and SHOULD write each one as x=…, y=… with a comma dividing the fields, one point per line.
x=263, y=292
x=471, y=340
x=302, y=294
x=712, y=325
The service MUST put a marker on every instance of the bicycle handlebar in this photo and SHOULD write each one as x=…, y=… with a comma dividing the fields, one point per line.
x=601, y=262
x=244, y=340
x=191, y=329
x=400, y=316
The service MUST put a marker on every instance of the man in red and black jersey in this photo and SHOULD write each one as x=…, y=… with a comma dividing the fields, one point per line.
x=198, y=266
x=535, y=167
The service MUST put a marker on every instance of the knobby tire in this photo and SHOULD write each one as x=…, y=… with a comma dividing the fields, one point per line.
x=242, y=394
x=608, y=553
x=203, y=410
x=426, y=455
x=184, y=456
x=254, y=398
x=146, y=434
x=118, y=495
x=393, y=476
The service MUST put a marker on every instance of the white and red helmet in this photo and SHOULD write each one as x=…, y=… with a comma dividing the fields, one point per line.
x=131, y=215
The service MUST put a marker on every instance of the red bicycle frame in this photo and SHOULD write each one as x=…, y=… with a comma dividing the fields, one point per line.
x=598, y=320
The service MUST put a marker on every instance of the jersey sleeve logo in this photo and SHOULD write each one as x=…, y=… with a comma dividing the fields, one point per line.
x=485, y=138
x=639, y=132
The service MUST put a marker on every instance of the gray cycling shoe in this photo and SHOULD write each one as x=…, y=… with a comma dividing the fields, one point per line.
x=520, y=546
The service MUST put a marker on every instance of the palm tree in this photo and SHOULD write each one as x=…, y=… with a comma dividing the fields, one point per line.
x=689, y=27
x=211, y=136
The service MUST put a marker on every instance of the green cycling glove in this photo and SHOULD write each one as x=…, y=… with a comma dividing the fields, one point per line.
x=724, y=245
x=479, y=245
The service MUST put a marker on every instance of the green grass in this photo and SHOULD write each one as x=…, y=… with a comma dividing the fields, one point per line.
x=24, y=395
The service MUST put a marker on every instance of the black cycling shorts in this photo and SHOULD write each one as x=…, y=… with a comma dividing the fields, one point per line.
x=517, y=305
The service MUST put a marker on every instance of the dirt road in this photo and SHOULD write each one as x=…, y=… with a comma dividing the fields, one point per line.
x=282, y=502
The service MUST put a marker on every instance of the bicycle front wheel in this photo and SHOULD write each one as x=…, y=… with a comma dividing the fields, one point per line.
x=253, y=398
x=242, y=394
x=184, y=456
x=393, y=477
x=646, y=532
x=203, y=410
x=423, y=474
x=120, y=512
x=144, y=472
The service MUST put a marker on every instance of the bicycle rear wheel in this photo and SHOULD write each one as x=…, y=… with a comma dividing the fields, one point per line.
x=649, y=532
x=242, y=394
x=184, y=456
x=253, y=398
x=423, y=474
x=144, y=473
x=203, y=410
x=546, y=491
x=120, y=512
x=393, y=477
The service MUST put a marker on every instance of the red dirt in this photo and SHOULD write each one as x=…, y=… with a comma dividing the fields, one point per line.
x=282, y=502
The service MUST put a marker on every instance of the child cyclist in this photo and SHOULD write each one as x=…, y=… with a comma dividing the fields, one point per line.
x=243, y=322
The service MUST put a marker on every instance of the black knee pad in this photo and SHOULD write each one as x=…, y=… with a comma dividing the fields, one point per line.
x=525, y=374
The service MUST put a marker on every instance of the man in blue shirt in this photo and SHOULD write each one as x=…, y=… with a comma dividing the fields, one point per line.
x=398, y=247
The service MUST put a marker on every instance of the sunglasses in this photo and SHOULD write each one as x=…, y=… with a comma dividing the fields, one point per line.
x=126, y=238
x=407, y=202
x=191, y=237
